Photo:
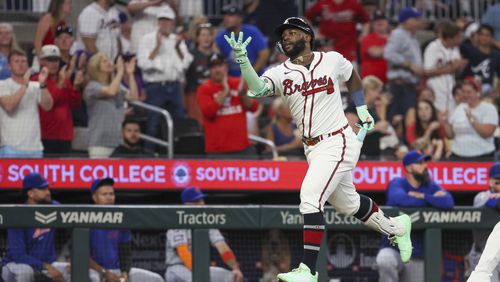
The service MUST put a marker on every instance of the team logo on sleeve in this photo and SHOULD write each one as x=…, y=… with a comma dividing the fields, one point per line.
x=307, y=88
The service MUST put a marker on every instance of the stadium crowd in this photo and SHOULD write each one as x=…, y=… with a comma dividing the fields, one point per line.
x=432, y=99
x=439, y=96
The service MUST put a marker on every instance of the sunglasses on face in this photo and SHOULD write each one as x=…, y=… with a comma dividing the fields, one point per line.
x=62, y=29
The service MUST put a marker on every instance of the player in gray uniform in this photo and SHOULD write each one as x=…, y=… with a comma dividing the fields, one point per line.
x=178, y=249
x=489, y=267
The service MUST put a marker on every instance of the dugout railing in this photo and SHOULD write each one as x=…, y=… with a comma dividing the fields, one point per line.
x=79, y=218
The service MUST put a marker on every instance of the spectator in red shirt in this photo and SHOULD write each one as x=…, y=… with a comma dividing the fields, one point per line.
x=223, y=103
x=46, y=29
x=338, y=19
x=57, y=124
x=372, y=48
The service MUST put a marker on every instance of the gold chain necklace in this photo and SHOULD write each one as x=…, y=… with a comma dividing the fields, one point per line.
x=301, y=59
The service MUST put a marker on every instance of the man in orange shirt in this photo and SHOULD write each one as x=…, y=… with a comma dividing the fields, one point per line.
x=223, y=103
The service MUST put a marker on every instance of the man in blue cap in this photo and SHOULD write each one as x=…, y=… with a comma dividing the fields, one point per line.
x=415, y=189
x=178, y=249
x=404, y=57
x=31, y=252
x=485, y=255
x=111, y=249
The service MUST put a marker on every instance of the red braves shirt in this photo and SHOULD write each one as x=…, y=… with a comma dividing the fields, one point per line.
x=225, y=126
x=57, y=124
x=338, y=22
x=369, y=64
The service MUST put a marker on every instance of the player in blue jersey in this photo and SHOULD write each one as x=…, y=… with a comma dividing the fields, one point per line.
x=415, y=189
x=111, y=249
x=31, y=252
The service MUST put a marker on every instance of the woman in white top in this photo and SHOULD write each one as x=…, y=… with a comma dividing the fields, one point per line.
x=472, y=125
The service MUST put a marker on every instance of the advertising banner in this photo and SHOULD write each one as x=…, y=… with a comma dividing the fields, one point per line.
x=225, y=175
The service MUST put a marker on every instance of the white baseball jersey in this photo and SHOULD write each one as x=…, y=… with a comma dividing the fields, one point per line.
x=437, y=56
x=103, y=25
x=313, y=95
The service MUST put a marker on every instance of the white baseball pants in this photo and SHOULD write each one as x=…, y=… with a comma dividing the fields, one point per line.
x=329, y=176
x=489, y=260
x=180, y=273
x=20, y=272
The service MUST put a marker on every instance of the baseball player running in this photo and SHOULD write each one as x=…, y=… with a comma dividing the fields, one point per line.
x=178, y=249
x=110, y=249
x=490, y=259
x=31, y=252
x=309, y=83
x=484, y=256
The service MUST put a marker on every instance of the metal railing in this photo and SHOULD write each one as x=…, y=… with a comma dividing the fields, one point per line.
x=169, y=143
x=265, y=141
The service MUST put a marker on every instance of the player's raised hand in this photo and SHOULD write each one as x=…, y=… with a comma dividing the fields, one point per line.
x=366, y=118
x=239, y=47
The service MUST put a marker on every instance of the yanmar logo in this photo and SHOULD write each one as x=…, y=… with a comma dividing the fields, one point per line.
x=451, y=216
x=92, y=217
x=81, y=217
x=446, y=216
x=45, y=218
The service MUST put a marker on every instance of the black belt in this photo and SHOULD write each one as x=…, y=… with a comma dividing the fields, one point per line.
x=163, y=83
x=315, y=140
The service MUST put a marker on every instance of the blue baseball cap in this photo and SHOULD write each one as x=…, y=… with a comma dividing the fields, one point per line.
x=495, y=170
x=408, y=13
x=191, y=194
x=413, y=157
x=101, y=182
x=34, y=180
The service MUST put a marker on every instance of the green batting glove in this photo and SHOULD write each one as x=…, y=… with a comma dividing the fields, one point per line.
x=239, y=47
x=366, y=119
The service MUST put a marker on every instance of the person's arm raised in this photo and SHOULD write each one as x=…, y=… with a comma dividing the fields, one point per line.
x=256, y=87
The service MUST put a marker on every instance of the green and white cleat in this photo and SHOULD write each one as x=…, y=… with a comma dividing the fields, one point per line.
x=300, y=274
x=403, y=242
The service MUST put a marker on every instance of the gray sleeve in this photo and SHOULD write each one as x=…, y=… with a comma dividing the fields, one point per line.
x=92, y=90
x=391, y=51
x=177, y=237
x=481, y=199
x=215, y=236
